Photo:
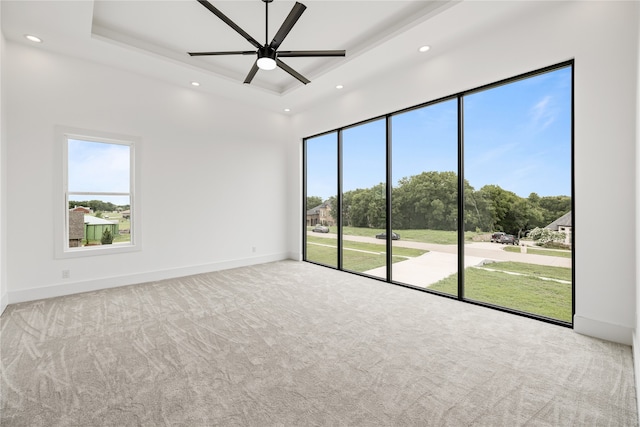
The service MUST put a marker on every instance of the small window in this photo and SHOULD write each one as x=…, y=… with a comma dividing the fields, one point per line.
x=99, y=206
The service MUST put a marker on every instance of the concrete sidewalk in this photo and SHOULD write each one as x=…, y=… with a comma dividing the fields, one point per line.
x=426, y=269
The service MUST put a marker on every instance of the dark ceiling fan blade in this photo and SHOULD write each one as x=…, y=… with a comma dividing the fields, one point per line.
x=308, y=53
x=252, y=73
x=293, y=72
x=232, y=52
x=230, y=23
x=287, y=25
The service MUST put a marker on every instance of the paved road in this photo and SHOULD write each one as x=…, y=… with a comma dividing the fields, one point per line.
x=442, y=260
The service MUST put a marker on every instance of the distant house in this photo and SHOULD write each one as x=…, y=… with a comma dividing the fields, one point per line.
x=76, y=228
x=564, y=224
x=94, y=227
x=126, y=214
x=321, y=214
x=82, y=209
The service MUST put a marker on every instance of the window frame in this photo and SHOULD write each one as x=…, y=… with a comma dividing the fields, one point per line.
x=460, y=96
x=62, y=193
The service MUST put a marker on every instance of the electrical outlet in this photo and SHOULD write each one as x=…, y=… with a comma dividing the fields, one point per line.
x=253, y=249
x=66, y=274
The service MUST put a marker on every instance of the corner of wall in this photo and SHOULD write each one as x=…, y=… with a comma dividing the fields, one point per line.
x=635, y=352
x=635, y=349
x=3, y=303
x=3, y=181
x=603, y=330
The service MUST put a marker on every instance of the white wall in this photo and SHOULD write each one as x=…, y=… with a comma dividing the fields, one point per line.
x=602, y=37
x=3, y=204
x=213, y=174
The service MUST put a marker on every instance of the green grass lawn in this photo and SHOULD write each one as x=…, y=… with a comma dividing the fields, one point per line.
x=560, y=273
x=324, y=250
x=527, y=293
x=536, y=251
x=426, y=236
x=123, y=224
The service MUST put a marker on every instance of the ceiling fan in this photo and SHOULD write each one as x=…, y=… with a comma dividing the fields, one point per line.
x=268, y=56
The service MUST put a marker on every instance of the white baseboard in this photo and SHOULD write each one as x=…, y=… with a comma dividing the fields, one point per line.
x=603, y=330
x=132, y=279
x=295, y=256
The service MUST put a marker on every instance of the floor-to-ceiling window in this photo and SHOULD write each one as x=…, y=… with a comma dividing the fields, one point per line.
x=321, y=167
x=364, y=201
x=517, y=157
x=425, y=192
x=469, y=196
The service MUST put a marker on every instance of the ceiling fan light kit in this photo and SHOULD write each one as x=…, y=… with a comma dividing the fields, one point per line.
x=266, y=58
x=267, y=55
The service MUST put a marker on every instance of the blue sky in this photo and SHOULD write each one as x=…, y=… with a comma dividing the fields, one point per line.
x=98, y=167
x=517, y=136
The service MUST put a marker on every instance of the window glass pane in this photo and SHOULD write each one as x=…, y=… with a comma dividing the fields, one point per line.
x=517, y=159
x=322, y=178
x=99, y=167
x=98, y=193
x=90, y=216
x=425, y=195
x=364, y=198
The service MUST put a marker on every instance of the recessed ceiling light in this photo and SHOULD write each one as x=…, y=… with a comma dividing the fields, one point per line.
x=424, y=48
x=33, y=38
x=286, y=110
x=195, y=84
x=339, y=87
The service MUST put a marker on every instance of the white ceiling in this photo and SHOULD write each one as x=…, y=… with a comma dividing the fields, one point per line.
x=151, y=37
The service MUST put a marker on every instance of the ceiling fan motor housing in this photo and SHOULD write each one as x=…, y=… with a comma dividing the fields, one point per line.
x=267, y=52
x=266, y=58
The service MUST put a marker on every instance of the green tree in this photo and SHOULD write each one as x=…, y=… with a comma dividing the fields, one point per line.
x=313, y=201
x=499, y=205
x=430, y=201
x=476, y=210
x=554, y=207
x=525, y=216
x=426, y=201
x=96, y=205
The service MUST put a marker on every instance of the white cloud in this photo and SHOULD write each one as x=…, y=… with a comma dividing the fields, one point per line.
x=543, y=113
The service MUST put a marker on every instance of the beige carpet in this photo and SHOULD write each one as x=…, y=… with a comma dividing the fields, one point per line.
x=295, y=344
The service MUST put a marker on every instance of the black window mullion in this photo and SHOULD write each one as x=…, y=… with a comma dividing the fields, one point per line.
x=460, y=198
x=305, y=208
x=388, y=201
x=339, y=199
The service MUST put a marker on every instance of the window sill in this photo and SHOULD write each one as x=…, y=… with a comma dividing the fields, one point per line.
x=98, y=250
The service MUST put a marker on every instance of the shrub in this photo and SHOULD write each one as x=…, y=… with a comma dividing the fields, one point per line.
x=107, y=237
x=543, y=236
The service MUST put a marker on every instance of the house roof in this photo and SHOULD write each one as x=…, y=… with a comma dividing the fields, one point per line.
x=564, y=221
x=315, y=210
x=80, y=209
x=94, y=220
